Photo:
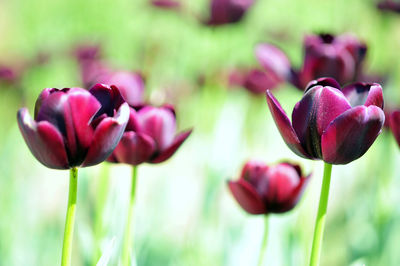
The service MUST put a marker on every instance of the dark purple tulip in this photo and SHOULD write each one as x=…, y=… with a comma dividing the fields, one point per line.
x=332, y=124
x=325, y=55
x=394, y=123
x=329, y=56
x=166, y=4
x=227, y=11
x=149, y=136
x=254, y=80
x=263, y=189
x=389, y=5
x=8, y=75
x=74, y=127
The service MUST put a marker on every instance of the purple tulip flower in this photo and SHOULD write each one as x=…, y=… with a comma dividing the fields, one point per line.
x=74, y=127
x=254, y=80
x=149, y=137
x=325, y=55
x=166, y=4
x=227, y=11
x=263, y=189
x=389, y=5
x=329, y=123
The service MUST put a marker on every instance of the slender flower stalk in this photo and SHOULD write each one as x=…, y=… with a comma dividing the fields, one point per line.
x=320, y=221
x=70, y=219
x=127, y=248
x=264, y=241
x=102, y=191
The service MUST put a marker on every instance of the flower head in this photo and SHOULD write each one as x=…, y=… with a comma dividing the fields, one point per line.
x=263, y=189
x=336, y=125
x=149, y=136
x=340, y=57
x=389, y=5
x=227, y=11
x=74, y=127
x=166, y=4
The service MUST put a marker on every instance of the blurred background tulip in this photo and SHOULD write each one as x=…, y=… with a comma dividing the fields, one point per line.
x=263, y=189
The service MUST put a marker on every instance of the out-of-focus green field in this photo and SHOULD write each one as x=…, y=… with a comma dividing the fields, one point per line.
x=185, y=214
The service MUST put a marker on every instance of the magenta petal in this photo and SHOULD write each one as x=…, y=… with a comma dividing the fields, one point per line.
x=168, y=152
x=158, y=123
x=44, y=141
x=351, y=134
x=296, y=194
x=364, y=94
x=273, y=60
x=285, y=127
x=134, y=148
x=318, y=107
x=394, y=122
x=82, y=108
x=106, y=136
x=130, y=84
x=323, y=82
x=247, y=197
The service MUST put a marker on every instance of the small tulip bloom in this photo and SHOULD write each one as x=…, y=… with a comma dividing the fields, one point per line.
x=389, y=5
x=263, y=189
x=336, y=125
x=228, y=11
x=166, y=4
x=340, y=57
x=254, y=80
x=149, y=137
x=74, y=127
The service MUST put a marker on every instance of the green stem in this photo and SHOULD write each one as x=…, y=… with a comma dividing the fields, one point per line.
x=320, y=221
x=264, y=241
x=70, y=219
x=127, y=249
x=102, y=191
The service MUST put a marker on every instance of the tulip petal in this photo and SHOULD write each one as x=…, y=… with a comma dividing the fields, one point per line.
x=284, y=126
x=106, y=136
x=296, y=194
x=158, y=123
x=273, y=60
x=364, y=94
x=394, y=122
x=168, y=152
x=130, y=84
x=323, y=82
x=134, y=148
x=318, y=107
x=71, y=112
x=283, y=182
x=247, y=197
x=44, y=141
x=351, y=134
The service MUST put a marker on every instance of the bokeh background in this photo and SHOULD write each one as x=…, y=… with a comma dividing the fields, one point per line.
x=184, y=214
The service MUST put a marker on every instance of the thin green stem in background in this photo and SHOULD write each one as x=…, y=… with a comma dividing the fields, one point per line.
x=127, y=248
x=264, y=241
x=320, y=221
x=102, y=192
x=70, y=219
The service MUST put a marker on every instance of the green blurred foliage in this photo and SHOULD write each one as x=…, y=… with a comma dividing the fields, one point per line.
x=185, y=214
